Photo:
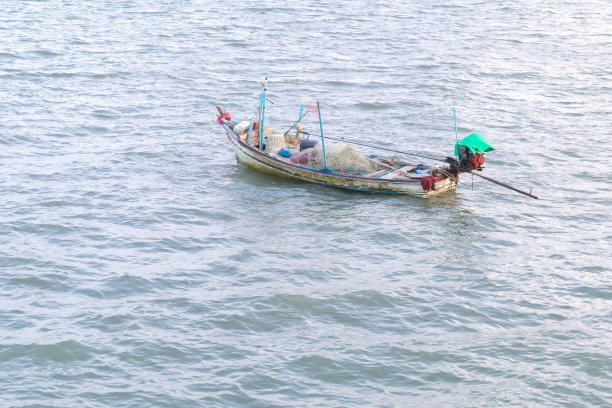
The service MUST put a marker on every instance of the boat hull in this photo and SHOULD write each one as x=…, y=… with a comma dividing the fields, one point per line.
x=258, y=160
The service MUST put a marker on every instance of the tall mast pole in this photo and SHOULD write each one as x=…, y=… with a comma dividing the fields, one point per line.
x=262, y=104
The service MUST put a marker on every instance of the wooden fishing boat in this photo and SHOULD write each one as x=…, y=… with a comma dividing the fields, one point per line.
x=402, y=178
x=283, y=155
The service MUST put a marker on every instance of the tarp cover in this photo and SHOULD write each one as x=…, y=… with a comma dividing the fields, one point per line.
x=476, y=142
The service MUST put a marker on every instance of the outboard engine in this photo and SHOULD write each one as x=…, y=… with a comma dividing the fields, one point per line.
x=465, y=159
x=453, y=166
x=470, y=152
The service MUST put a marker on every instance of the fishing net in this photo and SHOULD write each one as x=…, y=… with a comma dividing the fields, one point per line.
x=313, y=107
x=305, y=157
x=343, y=158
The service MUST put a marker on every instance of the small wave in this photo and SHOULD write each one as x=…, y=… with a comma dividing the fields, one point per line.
x=62, y=75
x=126, y=285
x=426, y=67
x=238, y=44
x=339, y=83
x=62, y=352
x=104, y=114
x=47, y=281
x=591, y=292
x=9, y=55
x=41, y=229
x=369, y=298
x=96, y=129
x=373, y=105
x=118, y=74
x=47, y=53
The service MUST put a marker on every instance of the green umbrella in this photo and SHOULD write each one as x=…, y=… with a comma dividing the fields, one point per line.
x=476, y=142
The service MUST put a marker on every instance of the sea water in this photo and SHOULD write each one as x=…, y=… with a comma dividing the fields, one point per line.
x=140, y=265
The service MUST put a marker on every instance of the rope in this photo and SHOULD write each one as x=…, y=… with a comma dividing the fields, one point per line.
x=448, y=175
x=296, y=122
x=380, y=147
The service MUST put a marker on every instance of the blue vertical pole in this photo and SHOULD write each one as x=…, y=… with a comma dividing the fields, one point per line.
x=263, y=113
x=322, y=138
x=297, y=132
x=456, y=137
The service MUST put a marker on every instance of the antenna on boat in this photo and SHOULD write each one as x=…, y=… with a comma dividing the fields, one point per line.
x=456, y=136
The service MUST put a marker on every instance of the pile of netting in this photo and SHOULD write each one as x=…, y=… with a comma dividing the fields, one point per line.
x=340, y=157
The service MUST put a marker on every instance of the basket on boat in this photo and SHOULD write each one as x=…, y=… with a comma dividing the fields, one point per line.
x=275, y=142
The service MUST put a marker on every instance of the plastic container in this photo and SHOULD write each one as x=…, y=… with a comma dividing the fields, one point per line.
x=307, y=144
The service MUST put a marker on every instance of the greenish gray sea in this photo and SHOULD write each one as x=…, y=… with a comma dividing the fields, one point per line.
x=140, y=265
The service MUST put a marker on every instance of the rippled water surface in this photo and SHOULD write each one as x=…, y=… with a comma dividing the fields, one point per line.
x=140, y=265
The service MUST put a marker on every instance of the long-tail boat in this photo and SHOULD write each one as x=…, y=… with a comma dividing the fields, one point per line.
x=295, y=154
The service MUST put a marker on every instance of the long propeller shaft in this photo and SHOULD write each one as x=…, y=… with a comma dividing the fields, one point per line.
x=506, y=185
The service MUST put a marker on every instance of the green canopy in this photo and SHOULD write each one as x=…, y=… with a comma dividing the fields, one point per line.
x=476, y=142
